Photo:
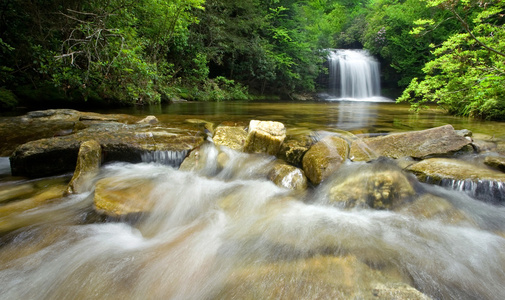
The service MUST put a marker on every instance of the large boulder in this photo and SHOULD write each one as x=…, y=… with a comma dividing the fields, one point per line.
x=119, y=142
x=377, y=186
x=438, y=141
x=36, y=125
x=232, y=135
x=264, y=137
x=122, y=197
x=324, y=158
x=89, y=160
x=481, y=181
x=288, y=176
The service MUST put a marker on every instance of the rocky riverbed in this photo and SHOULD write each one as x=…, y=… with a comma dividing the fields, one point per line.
x=284, y=171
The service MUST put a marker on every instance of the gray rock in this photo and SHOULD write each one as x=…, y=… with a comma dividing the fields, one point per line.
x=419, y=144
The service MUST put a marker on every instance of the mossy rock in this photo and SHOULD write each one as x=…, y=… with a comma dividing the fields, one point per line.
x=324, y=158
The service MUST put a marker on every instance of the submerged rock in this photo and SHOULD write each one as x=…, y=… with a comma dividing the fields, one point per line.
x=9, y=192
x=264, y=137
x=419, y=144
x=10, y=213
x=120, y=197
x=495, y=162
x=319, y=277
x=375, y=186
x=88, y=165
x=432, y=207
x=149, y=120
x=324, y=158
x=288, y=176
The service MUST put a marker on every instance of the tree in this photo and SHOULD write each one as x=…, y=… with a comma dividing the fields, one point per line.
x=466, y=77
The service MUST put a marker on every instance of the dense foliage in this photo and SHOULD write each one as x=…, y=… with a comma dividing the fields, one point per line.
x=134, y=52
x=467, y=75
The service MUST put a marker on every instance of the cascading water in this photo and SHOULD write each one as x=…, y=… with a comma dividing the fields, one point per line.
x=222, y=231
x=353, y=75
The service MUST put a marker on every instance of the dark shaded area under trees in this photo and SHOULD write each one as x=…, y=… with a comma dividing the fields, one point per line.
x=126, y=52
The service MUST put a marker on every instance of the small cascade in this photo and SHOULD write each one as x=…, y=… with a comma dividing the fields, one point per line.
x=484, y=190
x=169, y=158
x=353, y=75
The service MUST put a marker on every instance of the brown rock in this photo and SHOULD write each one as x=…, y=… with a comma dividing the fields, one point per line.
x=119, y=142
x=495, y=162
x=232, y=136
x=371, y=186
x=319, y=277
x=324, y=158
x=264, y=137
x=88, y=165
x=119, y=197
x=419, y=144
x=288, y=176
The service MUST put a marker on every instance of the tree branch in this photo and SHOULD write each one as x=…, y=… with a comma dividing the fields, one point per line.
x=467, y=29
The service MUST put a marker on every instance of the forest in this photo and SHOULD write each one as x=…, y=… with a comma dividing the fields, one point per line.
x=129, y=52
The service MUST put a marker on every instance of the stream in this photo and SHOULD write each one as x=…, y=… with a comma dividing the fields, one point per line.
x=227, y=232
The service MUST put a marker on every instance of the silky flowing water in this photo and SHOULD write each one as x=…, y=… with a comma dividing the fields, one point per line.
x=226, y=232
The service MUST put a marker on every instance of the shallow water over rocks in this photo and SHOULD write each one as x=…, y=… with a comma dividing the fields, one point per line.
x=218, y=228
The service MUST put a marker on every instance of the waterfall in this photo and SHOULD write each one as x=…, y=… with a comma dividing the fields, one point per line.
x=353, y=75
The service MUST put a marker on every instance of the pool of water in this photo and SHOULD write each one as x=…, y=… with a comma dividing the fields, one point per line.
x=354, y=116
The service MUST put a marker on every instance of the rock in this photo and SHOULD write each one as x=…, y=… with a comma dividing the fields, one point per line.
x=16, y=207
x=432, y=207
x=397, y=291
x=319, y=277
x=264, y=137
x=438, y=169
x=294, y=148
x=10, y=192
x=37, y=125
x=231, y=135
x=120, y=197
x=54, y=114
x=495, y=162
x=377, y=186
x=288, y=176
x=149, y=120
x=464, y=133
x=478, y=180
x=324, y=158
x=119, y=142
x=360, y=151
x=419, y=144
x=88, y=165
x=483, y=146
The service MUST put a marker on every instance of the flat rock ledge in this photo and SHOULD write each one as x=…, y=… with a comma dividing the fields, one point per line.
x=119, y=142
x=483, y=182
x=443, y=140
